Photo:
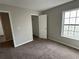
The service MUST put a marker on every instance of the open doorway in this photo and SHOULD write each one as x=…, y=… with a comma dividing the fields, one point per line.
x=6, y=39
x=35, y=26
x=39, y=25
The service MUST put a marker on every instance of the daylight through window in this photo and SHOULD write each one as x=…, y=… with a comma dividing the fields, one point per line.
x=70, y=26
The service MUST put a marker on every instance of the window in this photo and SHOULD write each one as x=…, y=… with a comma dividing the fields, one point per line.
x=70, y=25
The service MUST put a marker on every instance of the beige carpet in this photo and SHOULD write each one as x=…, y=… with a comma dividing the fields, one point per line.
x=39, y=49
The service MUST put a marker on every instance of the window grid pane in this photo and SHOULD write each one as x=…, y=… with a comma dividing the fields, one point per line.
x=67, y=14
x=66, y=28
x=77, y=20
x=71, y=24
x=66, y=21
x=72, y=21
x=73, y=13
x=77, y=13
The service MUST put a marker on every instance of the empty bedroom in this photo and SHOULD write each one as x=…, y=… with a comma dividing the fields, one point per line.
x=39, y=29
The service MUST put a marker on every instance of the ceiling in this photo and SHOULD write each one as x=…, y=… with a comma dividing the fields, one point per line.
x=37, y=5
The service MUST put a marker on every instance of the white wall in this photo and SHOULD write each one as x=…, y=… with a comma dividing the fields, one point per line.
x=55, y=21
x=21, y=24
x=1, y=29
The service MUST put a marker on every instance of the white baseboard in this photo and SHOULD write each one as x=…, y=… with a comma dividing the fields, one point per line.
x=51, y=38
x=22, y=43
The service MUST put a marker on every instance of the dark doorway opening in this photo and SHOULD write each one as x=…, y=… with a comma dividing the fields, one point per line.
x=8, y=39
x=35, y=26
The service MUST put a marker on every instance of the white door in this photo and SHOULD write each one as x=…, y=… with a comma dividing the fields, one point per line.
x=43, y=26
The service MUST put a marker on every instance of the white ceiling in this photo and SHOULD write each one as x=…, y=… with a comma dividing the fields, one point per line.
x=37, y=5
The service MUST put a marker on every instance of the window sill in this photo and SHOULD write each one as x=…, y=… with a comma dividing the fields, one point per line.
x=71, y=37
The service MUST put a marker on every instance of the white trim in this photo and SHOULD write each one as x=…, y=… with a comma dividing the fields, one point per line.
x=62, y=24
x=67, y=44
x=12, y=27
x=22, y=43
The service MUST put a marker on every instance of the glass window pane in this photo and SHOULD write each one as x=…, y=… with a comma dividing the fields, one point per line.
x=71, y=28
x=76, y=34
x=77, y=13
x=67, y=14
x=70, y=33
x=72, y=20
x=65, y=33
x=65, y=27
x=73, y=13
x=66, y=21
x=77, y=20
x=76, y=28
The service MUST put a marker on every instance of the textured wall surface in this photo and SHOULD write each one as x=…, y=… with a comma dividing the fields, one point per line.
x=55, y=22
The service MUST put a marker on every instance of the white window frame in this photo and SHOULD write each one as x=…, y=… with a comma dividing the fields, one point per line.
x=62, y=26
